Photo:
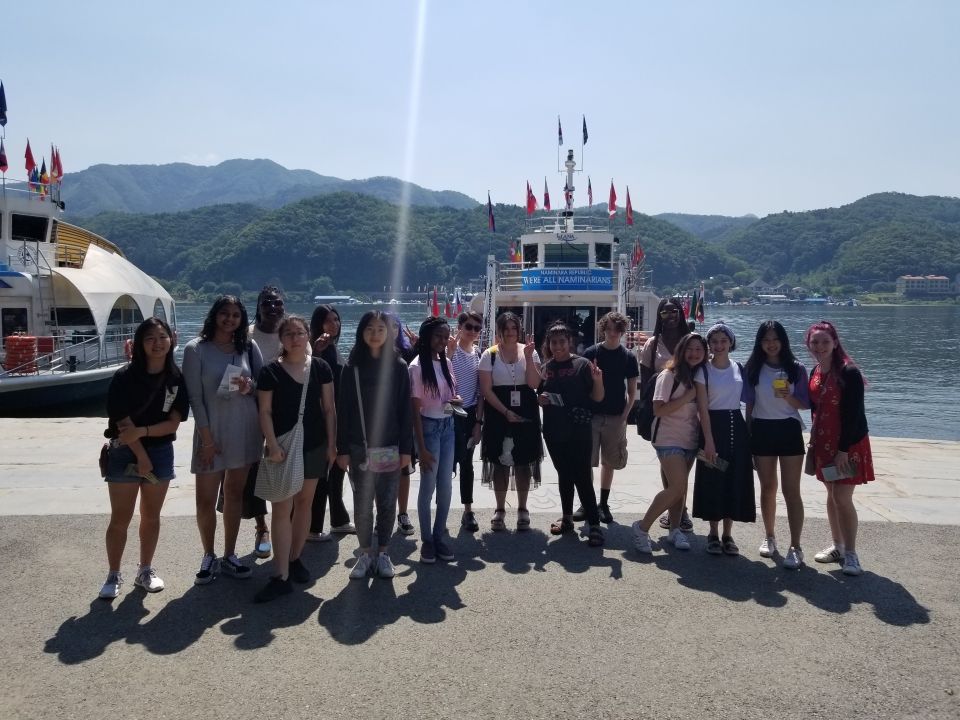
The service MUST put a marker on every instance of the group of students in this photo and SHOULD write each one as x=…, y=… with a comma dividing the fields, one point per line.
x=696, y=404
x=430, y=398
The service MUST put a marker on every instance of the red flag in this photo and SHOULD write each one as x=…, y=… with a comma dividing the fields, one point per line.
x=435, y=310
x=491, y=223
x=3, y=158
x=59, y=166
x=589, y=191
x=28, y=156
x=612, y=202
x=53, y=164
x=686, y=306
x=531, y=200
x=546, y=196
x=446, y=309
x=459, y=304
x=629, y=208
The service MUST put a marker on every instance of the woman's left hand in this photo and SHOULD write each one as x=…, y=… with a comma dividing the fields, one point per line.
x=596, y=372
x=245, y=385
x=710, y=450
x=529, y=348
x=331, y=456
x=144, y=467
x=842, y=462
x=128, y=433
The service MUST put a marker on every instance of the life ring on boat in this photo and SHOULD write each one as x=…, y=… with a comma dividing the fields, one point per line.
x=21, y=354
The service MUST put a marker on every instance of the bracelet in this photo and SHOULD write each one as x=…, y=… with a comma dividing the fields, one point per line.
x=146, y=429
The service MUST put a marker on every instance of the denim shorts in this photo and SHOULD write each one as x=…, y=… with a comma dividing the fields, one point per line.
x=122, y=457
x=669, y=450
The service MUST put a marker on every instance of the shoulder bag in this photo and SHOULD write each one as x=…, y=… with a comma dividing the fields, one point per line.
x=280, y=480
x=376, y=459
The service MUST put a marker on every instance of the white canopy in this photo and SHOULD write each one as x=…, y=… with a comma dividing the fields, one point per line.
x=106, y=277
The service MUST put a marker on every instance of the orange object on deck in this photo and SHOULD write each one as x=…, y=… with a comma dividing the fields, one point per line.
x=45, y=344
x=21, y=354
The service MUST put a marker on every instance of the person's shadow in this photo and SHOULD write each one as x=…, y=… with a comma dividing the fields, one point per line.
x=79, y=639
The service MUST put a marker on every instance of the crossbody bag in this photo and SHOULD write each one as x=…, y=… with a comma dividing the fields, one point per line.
x=376, y=459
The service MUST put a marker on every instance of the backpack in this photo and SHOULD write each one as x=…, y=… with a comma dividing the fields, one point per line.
x=645, y=416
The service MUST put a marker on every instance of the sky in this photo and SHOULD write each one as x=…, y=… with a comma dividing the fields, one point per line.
x=697, y=106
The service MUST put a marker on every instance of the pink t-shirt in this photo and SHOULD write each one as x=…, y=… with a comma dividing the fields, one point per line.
x=431, y=403
x=679, y=428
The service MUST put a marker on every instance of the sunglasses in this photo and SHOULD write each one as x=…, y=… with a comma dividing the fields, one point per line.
x=272, y=303
x=668, y=313
x=471, y=327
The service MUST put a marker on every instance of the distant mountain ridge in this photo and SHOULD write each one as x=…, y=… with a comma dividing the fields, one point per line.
x=180, y=186
x=711, y=228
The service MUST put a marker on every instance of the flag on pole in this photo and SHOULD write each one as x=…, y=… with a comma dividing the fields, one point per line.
x=491, y=222
x=559, y=132
x=612, y=202
x=3, y=158
x=637, y=255
x=589, y=191
x=517, y=254
x=629, y=208
x=435, y=309
x=59, y=166
x=531, y=200
x=3, y=106
x=30, y=163
x=33, y=181
x=44, y=178
x=459, y=304
x=699, y=309
x=446, y=308
x=511, y=253
x=686, y=307
x=546, y=196
x=585, y=135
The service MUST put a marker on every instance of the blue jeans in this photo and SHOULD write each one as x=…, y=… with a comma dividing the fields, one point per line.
x=438, y=437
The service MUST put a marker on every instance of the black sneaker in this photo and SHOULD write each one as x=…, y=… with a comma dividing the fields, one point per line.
x=299, y=572
x=469, y=522
x=605, y=515
x=275, y=587
x=232, y=566
x=580, y=515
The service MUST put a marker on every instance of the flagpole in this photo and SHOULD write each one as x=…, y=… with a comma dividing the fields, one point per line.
x=558, y=143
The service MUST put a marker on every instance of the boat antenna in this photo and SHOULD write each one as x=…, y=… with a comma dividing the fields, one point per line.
x=570, y=164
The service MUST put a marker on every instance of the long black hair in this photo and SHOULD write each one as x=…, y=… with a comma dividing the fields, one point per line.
x=788, y=363
x=427, y=374
x=556, y=328
x=209, y=328
x=138, y=361
x=678, y=364
x=360, y=354
x=319, y=317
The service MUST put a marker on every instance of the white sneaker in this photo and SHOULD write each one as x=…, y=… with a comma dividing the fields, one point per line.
x=641, y=539
x=829, y=555
x=851, y=564
x=362, y=568
x=678, y=539
x=345, y=529
x=768, y=548
x=794, y=558
x=111, y=588
x=319, y=537
x=385, y=567
x=148, y=580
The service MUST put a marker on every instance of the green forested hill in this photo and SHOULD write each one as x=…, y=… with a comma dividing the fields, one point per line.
x=180, y=186
x=347, y=241
x=874, y=239
x=712, y=228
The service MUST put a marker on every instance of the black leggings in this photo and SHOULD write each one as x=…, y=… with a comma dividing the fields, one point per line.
x=572, y=458
x=330, y=486
x=462, y=457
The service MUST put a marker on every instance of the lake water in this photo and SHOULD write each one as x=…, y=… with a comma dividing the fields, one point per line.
x=910, y=354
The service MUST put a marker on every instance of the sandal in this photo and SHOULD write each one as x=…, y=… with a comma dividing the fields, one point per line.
x=595, y=536
x=713, y=545
x=561, y=526
x=523, y=520
x=729, y=546
x=262, y=548
x=497, y=523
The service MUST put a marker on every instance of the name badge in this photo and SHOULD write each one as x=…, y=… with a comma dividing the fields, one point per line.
x=514, y=398
x=170, y=396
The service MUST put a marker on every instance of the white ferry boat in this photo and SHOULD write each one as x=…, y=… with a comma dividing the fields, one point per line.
x=571, y=269
x=69, y=300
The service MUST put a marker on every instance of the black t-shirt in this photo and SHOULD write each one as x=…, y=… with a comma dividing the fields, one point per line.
x=573, y=381
x=286, y=400
x=147, y=400
x=618, y=365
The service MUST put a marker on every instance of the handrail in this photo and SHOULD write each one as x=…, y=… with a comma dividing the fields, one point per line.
x=84, y=355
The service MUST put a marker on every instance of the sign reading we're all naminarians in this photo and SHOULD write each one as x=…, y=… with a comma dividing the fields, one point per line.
x=567, y=279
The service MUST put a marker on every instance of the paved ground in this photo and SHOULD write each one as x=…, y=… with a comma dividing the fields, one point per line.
x=521, y=625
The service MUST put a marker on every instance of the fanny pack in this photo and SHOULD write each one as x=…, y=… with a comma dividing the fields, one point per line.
x=377, y=459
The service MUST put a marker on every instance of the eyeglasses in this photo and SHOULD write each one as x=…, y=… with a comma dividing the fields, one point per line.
x=668, y=313
x=296, y=335
x=471, y=327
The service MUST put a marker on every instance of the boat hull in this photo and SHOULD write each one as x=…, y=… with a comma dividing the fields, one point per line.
x=50, y=391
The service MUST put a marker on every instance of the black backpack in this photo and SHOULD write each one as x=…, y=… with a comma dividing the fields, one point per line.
x=645, y=415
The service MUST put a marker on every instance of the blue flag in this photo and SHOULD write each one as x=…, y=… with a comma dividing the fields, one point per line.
x=3, y=106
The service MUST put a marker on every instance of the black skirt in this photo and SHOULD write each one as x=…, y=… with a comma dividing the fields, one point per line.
x=520, y=441
x=776, y=438
x=720, y=495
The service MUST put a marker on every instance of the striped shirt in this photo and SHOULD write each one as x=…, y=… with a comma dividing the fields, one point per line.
x=465, y=370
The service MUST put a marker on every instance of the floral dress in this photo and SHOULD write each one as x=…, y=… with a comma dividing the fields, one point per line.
x=825, y=395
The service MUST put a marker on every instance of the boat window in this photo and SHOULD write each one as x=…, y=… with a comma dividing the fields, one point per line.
x=71, y=316
x=561, y=254
x=531, y=254
x=126, y=313
x=14, y=320
x=603, y=254
x=158, y=311
x=28, y=227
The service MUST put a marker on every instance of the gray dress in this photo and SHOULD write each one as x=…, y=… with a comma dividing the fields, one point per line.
x=233, y=418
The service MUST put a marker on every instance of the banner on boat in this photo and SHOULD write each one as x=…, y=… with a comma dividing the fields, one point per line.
x=567, y=279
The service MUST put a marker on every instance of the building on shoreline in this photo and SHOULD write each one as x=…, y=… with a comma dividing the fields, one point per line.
x=924, y=286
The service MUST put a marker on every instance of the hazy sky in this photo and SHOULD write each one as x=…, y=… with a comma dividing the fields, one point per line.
x=711, y=107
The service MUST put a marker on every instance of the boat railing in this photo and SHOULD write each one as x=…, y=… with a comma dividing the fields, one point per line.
x=20, y=189
x=78, y=351
x=562, y=224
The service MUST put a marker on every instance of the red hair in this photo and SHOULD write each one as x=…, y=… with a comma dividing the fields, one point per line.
x=840, y=358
